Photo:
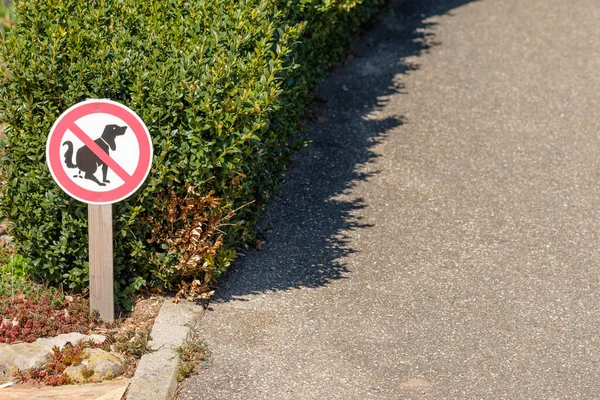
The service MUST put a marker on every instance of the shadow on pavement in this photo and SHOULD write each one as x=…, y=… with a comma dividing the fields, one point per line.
x=305, y=228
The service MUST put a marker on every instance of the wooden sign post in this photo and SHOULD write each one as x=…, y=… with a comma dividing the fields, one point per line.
x=99, y=152
x=101, y=260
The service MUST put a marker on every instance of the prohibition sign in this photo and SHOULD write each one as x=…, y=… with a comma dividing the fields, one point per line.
x=80, y=143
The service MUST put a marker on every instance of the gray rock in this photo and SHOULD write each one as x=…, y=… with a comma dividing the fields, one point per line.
x=99, y=365
x=106, y=365
x=75, y=372
x=26, y=356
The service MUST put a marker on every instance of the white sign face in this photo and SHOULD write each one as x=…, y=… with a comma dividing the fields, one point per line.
x=99, y=151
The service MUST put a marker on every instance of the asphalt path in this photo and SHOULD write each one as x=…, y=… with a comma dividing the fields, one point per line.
x=438, y=237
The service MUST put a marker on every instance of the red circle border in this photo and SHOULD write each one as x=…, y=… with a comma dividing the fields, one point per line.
x=72, y=115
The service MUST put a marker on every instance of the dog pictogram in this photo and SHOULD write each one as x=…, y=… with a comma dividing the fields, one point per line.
x=87, y=161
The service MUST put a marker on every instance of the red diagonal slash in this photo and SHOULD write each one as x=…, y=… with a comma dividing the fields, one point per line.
x=112, y=164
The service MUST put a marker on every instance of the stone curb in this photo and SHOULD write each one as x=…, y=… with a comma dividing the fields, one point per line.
x=155, y=376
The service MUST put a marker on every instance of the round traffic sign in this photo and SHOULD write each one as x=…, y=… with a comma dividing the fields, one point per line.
x=99, y=151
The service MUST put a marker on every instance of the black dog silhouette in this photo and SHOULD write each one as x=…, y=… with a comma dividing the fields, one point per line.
x=87, y=161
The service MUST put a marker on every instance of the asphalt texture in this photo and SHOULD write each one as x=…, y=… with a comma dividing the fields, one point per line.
x=438, y=237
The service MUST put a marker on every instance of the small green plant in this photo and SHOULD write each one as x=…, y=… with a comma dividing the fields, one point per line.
x=131, y=343
x=193, y=353
x=124, y=295
x=15, y=266
x=14, y=274
x=86, y=373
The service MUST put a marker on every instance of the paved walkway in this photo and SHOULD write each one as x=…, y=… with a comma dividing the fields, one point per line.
x=439, y=238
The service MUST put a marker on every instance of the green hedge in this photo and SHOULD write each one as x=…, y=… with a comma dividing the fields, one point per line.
x=222, y=86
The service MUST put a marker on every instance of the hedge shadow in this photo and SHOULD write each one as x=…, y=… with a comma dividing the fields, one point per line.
x=305, y=228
